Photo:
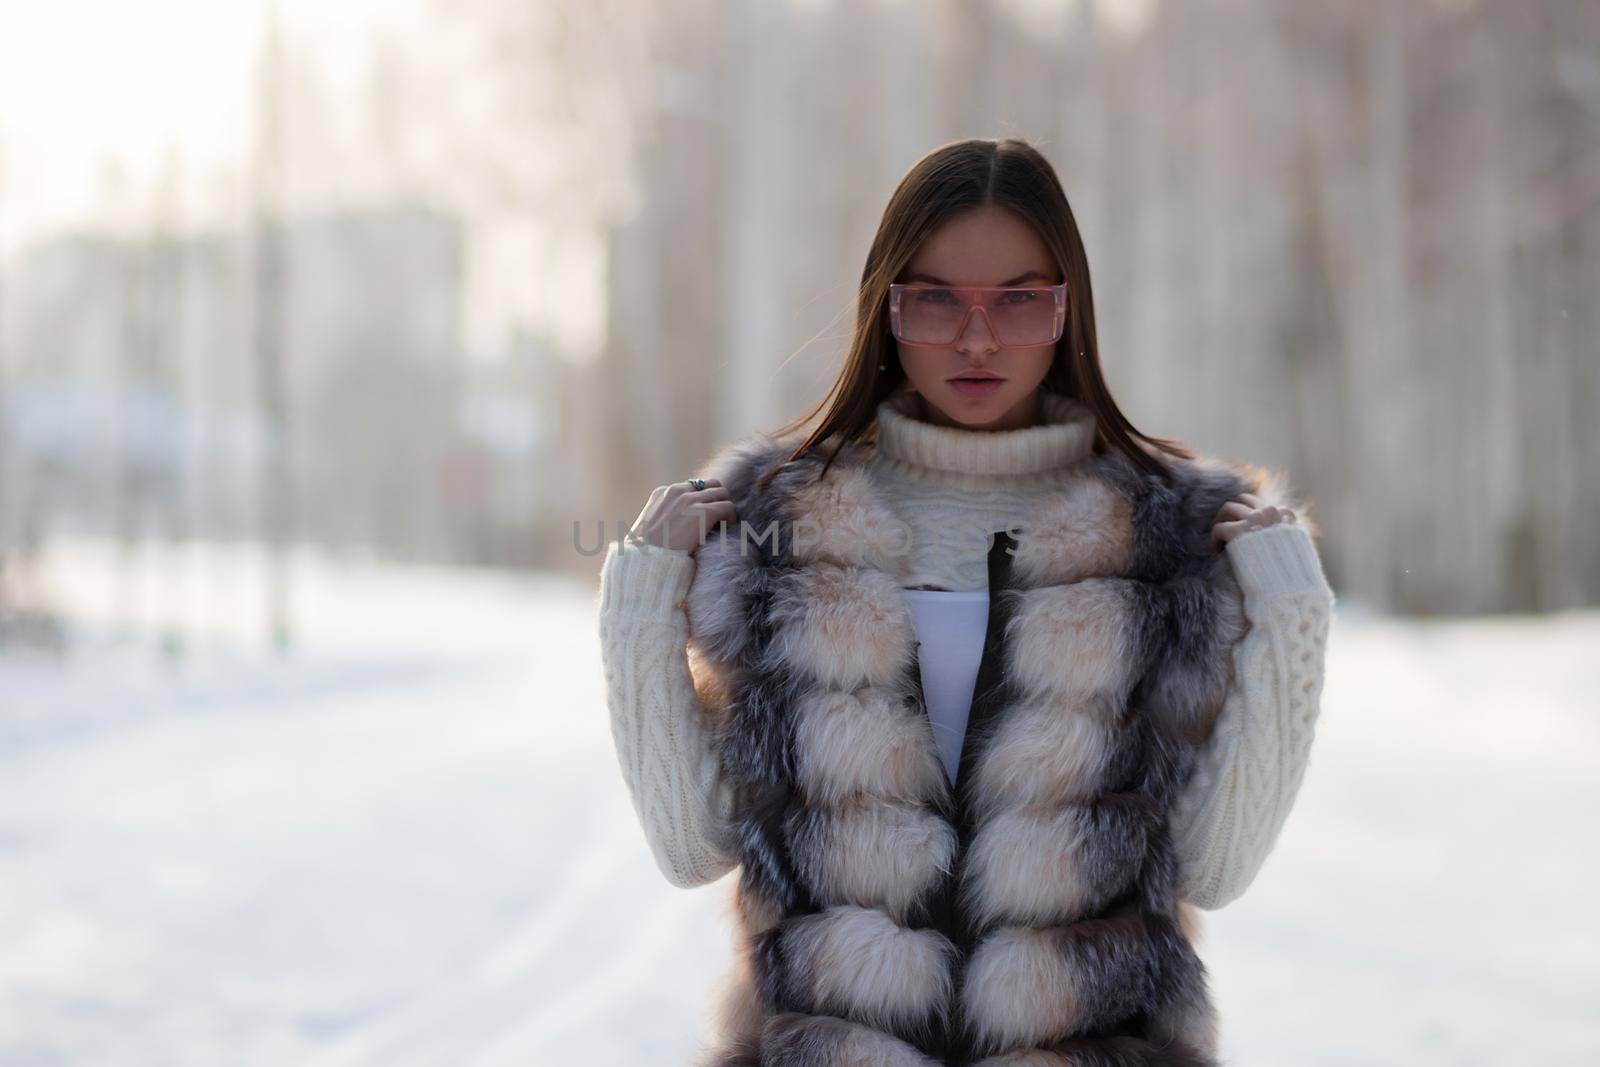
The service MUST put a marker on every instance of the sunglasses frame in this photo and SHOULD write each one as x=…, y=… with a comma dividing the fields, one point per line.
x=899, y=289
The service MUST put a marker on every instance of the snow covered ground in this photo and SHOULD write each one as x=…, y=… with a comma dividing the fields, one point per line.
x=408, y=843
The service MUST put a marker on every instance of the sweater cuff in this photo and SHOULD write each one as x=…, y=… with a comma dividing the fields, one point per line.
x=644, y=580
x=1280, y=558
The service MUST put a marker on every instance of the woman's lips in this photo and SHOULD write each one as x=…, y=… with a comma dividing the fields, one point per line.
x=976, y=386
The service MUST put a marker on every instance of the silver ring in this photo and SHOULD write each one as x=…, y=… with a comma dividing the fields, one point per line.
x=697, y=483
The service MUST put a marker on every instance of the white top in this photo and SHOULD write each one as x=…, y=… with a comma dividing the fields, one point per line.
x=950, y=629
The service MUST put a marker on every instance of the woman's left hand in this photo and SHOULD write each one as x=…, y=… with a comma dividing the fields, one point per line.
x=1241, y=515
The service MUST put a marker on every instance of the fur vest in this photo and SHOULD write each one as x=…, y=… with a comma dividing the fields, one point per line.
x=1026, y=915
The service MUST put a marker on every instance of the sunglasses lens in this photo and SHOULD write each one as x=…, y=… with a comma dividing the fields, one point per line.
x=933, y=315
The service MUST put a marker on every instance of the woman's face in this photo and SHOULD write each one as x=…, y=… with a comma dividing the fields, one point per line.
x=985, y=246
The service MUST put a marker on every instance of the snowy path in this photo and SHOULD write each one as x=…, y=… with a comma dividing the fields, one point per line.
x=410, y=845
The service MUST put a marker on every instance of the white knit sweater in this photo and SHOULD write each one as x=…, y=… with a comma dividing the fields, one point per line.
x=944, y=480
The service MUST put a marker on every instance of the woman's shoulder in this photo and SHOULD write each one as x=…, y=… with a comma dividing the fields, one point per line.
x=1193, y=480
x=743, y=464
x=1206, y=482
x=1173, y=512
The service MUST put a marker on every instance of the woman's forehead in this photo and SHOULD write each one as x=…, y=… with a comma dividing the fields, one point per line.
x=982, y=247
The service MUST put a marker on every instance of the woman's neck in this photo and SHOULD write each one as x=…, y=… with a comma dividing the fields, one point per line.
x=1026, y=412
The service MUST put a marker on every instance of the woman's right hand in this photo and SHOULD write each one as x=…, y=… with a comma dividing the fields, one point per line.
x=677, y=515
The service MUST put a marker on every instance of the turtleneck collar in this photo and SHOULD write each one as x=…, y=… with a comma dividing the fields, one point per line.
x=1064, y=435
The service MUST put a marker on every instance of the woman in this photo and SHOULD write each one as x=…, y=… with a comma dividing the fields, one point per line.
x=981, y=689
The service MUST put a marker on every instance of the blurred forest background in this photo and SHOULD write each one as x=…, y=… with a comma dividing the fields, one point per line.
x=323, y=324
x=437, y=281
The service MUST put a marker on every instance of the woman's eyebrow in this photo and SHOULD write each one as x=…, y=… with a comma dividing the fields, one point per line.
x=1018, y=280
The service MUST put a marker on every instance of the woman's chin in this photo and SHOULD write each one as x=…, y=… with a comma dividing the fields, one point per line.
x=974, y=412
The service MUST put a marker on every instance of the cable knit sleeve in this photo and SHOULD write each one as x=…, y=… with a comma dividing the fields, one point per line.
x=1249, y=773
x=667, y=760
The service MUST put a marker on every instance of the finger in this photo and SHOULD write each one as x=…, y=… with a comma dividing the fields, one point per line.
x=718, y=508
x=1227, y=531
x=1250, y=498
x=711, y=515
x=710, y=492
x=709, y=512
x=1232, y=510
x=650, y=504
x=716, y=511
x=1224, y=525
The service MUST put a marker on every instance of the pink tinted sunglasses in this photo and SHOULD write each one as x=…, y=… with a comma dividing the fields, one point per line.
x=934, y=316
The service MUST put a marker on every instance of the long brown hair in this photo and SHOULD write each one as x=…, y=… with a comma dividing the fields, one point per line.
x=954, y=177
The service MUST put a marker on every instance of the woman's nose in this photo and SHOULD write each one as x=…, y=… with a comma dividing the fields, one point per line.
x=977, y=331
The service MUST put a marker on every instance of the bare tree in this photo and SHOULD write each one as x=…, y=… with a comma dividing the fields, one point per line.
x=276, y=492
